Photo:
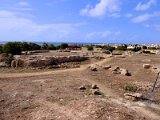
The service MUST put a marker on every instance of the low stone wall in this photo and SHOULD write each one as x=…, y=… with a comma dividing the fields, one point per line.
x=46, y=61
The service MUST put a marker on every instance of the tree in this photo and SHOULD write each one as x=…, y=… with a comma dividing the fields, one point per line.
x=90, y=47
x=25, y=46
x=1, y=49
x=12, y=48
x=45, y=46
x=109, y=48
x=52, y=47
x=64, y=45
x=33, y=46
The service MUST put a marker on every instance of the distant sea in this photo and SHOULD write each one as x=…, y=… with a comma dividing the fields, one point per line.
x=57, y=43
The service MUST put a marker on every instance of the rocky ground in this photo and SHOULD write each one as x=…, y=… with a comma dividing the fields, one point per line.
x=71, y=94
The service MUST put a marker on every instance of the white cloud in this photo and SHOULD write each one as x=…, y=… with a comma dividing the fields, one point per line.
x=102, y=35
x=17, y=26
x=101, y=8
x=141, y=7
x=128, y=15
x=145, y=17
x=23, y=4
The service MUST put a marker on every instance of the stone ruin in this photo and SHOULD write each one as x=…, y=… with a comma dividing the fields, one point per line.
x=40, y=61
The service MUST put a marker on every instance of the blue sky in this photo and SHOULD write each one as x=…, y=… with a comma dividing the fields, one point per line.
x=98, y=21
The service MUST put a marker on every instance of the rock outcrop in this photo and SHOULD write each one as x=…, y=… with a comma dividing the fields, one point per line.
x=39, y=61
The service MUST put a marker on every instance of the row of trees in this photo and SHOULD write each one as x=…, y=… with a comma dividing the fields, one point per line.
x=15, y=48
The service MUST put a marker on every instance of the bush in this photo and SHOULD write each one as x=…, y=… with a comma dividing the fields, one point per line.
x=45, y=46
x=123, y=48
x=52, y=47
x=33, y=46
x=13, y=48
x=108, y=48
x=8, y=59
x=24, y=46
x=130, y=88
x=64, y=45
x=152, y=48
x=136, y=49
x=90, y=47
x=1, y=49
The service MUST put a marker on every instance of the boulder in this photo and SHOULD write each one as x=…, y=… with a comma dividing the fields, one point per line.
x=94, y=67
x=133, y=96
x=147, y=66
x=82, y=87
x=106, y=67
x=125, y=72
x=116, y=70
x=96, y=92
x=94, y=86
x=13, y=63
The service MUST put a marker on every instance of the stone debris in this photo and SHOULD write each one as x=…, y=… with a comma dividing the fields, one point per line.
x=96, y=92
x=125, y=72
x=94, y=67
x=94, y=86
x=156, y=69
x=106, y=67
x=147, y=66
x=118, y=70
x=93, y=89
x=83, y=87
x=133, y=96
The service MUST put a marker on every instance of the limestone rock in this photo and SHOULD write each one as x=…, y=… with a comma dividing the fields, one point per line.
x=94, y=86
x=125, y=72
x=106, y=67
x=146, y=66
x=82, y=87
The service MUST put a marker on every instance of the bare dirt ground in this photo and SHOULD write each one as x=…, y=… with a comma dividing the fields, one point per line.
x=55, y=95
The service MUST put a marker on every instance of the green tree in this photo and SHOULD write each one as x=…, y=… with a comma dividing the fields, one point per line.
x=52, y=47
x=25, y=46
x=64, y=45
x=1, y=49
x=109, y=48
x=90, y=47
x=45, y=46
x=33, y=46
x=12, y=48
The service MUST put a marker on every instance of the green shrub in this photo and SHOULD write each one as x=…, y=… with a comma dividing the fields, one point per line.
x=8, y=59
x=13, y=48
x=1, y=49
x=130, y=88
x=52, y=47
x=64, y=45
x=33, y=46
x=108, y=48
x=45, y=46
x=90, y=47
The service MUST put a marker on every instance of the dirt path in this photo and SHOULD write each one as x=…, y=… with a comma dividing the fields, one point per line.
x=13, y=75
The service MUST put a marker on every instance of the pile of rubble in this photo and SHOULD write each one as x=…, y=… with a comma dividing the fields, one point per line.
x=93, y=89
